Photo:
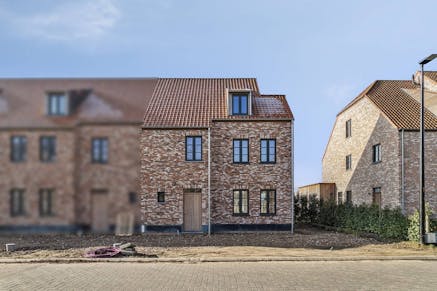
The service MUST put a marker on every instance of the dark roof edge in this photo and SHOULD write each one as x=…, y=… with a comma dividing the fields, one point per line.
x=417, y=129
x=285, y=119
x=172, y=127
x=359, y=97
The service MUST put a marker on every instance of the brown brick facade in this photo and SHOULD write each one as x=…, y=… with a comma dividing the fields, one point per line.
x=163, y=168
x=370, y=127
x=72, y=176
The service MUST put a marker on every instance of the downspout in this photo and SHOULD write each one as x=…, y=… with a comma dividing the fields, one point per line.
x=292, y=175
x=209, y=181
x=402, y=173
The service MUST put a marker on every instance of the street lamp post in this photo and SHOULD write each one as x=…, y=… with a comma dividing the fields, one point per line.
x=422, y=148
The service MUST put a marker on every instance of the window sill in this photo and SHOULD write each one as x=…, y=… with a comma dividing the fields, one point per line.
x=268, y=163
x=267, y=214
x=378, y=162
x=240, y=163
x=240, y=214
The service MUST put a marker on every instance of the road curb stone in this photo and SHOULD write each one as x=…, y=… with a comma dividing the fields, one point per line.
x=217, y=259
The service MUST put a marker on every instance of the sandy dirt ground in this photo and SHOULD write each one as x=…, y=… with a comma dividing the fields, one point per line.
x=307, y=241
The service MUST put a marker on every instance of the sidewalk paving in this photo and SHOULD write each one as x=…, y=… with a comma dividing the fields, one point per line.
x=218, y=259
x=397, y=251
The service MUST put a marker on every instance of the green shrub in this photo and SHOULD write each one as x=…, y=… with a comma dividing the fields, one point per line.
x=385, y=223
x=414, y=224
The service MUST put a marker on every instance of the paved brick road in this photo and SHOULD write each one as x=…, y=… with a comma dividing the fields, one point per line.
x=361, y=275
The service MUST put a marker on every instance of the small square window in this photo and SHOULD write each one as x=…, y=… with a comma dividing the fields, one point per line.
x=161, y=197
x=57, y=104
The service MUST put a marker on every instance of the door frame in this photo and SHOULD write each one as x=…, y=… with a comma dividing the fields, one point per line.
x=198, y=193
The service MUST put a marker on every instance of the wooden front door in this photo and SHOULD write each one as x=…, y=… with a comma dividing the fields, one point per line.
x=99, y=211
x=192, y=211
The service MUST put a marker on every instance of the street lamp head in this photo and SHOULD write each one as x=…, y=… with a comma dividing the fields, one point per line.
x=428, y=59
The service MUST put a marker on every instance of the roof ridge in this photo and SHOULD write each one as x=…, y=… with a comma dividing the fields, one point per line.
x=359, y=97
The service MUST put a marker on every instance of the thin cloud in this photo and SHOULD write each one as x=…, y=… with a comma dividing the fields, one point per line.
x=69, y=22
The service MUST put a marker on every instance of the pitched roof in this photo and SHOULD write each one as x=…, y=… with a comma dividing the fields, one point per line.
x=392, y=99
x=195, y=102
x=23, y=101
x=431, y=74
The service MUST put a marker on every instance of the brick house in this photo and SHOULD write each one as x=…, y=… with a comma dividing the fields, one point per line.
x=69, y=152
x=373, y=152
x=216, y=155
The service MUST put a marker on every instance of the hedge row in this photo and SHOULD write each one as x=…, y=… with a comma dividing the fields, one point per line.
x=385, y=223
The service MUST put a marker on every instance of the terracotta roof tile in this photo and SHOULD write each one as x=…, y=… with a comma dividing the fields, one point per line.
x=23, y=101
x=195, y=102
x=391, y=97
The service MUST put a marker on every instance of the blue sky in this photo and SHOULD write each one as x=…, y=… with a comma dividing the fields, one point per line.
x=321, y=54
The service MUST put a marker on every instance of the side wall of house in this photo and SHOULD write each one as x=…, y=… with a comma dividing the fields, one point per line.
x=412, y=154
x=117, y=178
x=32, y=175
x=164, y=169
x=254, y=176
x=369, y=127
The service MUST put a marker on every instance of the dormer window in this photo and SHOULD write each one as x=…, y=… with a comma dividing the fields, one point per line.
x=240, y=104
x=57, y=104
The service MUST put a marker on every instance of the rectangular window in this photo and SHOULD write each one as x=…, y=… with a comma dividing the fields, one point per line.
x=240, y=104
x=268, y=151
x=17, y=202
x=241, y=150
x=349, y=197
x=161, y=197
x=132, y=197
x=46, y=202
x=47, y=148
x=376, y=196
x=376, y=153
x=348, y=162
x=241, y=202
x=99, y=152
x=340, y=198
x=348, y=128
x=268, y=202
x=57, y=104
x=193, y=148
x=18, y=148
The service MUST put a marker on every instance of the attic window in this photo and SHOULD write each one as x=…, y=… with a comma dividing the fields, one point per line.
x=240, y=103
x=57, y=104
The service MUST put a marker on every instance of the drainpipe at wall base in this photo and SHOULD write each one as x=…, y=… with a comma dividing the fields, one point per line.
x=209, y=181
x=292, y=176
x=402, y=173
